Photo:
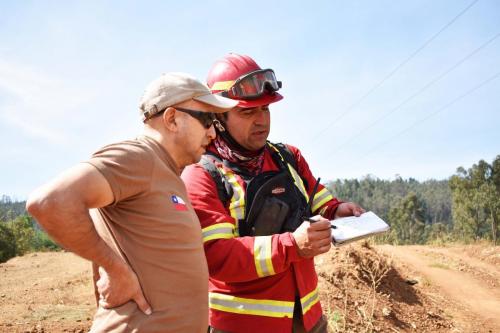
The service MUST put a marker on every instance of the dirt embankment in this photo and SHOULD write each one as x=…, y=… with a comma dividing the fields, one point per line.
x=362, y=289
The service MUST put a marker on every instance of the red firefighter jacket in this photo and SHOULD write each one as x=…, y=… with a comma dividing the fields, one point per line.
x=254, y=281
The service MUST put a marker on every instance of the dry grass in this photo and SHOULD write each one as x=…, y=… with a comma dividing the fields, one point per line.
x=362, y=291
x=368, y=271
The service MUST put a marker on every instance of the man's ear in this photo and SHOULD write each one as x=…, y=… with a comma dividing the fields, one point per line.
x=169, y=119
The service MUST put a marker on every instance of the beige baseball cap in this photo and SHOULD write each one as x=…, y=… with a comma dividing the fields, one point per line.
x=173, y=88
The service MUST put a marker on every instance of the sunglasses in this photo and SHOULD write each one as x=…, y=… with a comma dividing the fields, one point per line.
x=206, y=119
x=253, y=85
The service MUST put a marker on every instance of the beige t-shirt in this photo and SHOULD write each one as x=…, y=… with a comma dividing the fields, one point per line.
x=154, y=228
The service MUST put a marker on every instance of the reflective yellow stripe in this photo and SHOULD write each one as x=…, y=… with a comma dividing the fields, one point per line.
x=222, y=85
x=296, y=177
x=321, y=198
x=277, y=150
x=322, y=211
x=237, y=203
x=309, y=300
x=262, y=255
x=259, y=307
x=298, y=182
x=223, y=230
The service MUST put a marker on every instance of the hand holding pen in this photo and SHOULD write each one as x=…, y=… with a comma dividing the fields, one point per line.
x=316, y=218
x=313, y=236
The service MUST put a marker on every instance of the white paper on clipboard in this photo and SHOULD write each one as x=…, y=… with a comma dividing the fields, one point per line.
x=352, y=228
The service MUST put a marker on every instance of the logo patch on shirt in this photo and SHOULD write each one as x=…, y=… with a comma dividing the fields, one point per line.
x=179, y=204
x=278, y=190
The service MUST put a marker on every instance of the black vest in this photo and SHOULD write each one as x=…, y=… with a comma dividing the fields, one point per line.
x=273, y=203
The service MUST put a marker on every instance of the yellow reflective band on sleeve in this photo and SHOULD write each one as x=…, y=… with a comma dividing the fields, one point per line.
x=248, y=306
x=309, y=300
x=218, y=231
x=262, y=255
x=321, y=198
x=222, y=85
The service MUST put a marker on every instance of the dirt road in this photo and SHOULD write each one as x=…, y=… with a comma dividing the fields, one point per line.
x=465, y=279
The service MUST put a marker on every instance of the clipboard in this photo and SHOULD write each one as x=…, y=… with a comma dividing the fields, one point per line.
x=349, y=229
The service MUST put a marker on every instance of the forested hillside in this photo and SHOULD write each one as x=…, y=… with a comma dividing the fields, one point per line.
x=10, y=209
x=417, y=212
x=465, y=208
x=381, y=195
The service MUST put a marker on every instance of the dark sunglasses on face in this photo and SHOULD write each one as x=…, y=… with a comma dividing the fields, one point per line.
x=206, y=119
x=253, y=85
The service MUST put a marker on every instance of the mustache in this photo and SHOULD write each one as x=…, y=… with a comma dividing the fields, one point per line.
x=257, y=128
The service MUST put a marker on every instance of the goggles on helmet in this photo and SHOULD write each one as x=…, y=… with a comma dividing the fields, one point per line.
x=253, y=85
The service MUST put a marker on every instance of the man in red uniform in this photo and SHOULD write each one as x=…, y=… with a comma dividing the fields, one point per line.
x=254, y=200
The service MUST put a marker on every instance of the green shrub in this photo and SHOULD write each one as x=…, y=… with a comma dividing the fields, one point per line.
x=42, y=242
x=24, y=233
x=7, y=243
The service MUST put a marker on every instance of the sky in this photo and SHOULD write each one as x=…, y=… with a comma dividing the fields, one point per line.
x=381, y=88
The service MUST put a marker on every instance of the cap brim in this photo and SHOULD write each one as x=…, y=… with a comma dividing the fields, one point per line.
x=223, y=103
x=264, y=100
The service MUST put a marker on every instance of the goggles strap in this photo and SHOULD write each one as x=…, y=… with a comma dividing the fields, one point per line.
x=222, y=85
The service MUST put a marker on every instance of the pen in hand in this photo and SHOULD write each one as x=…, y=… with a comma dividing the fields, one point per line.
x=312, y=220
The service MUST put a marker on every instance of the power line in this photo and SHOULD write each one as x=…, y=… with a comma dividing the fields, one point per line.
x=420, y=91
x=432, y=114
x=397, y=68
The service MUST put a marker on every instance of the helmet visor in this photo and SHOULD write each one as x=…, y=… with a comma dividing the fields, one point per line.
x=254, y=84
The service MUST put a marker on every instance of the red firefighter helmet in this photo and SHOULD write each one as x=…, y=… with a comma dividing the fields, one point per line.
x=240, y=78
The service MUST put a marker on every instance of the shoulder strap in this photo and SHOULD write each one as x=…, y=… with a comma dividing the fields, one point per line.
x=287, y=156
x=224, y=189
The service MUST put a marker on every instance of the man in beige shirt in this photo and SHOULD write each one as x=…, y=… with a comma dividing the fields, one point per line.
x=141, y=233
